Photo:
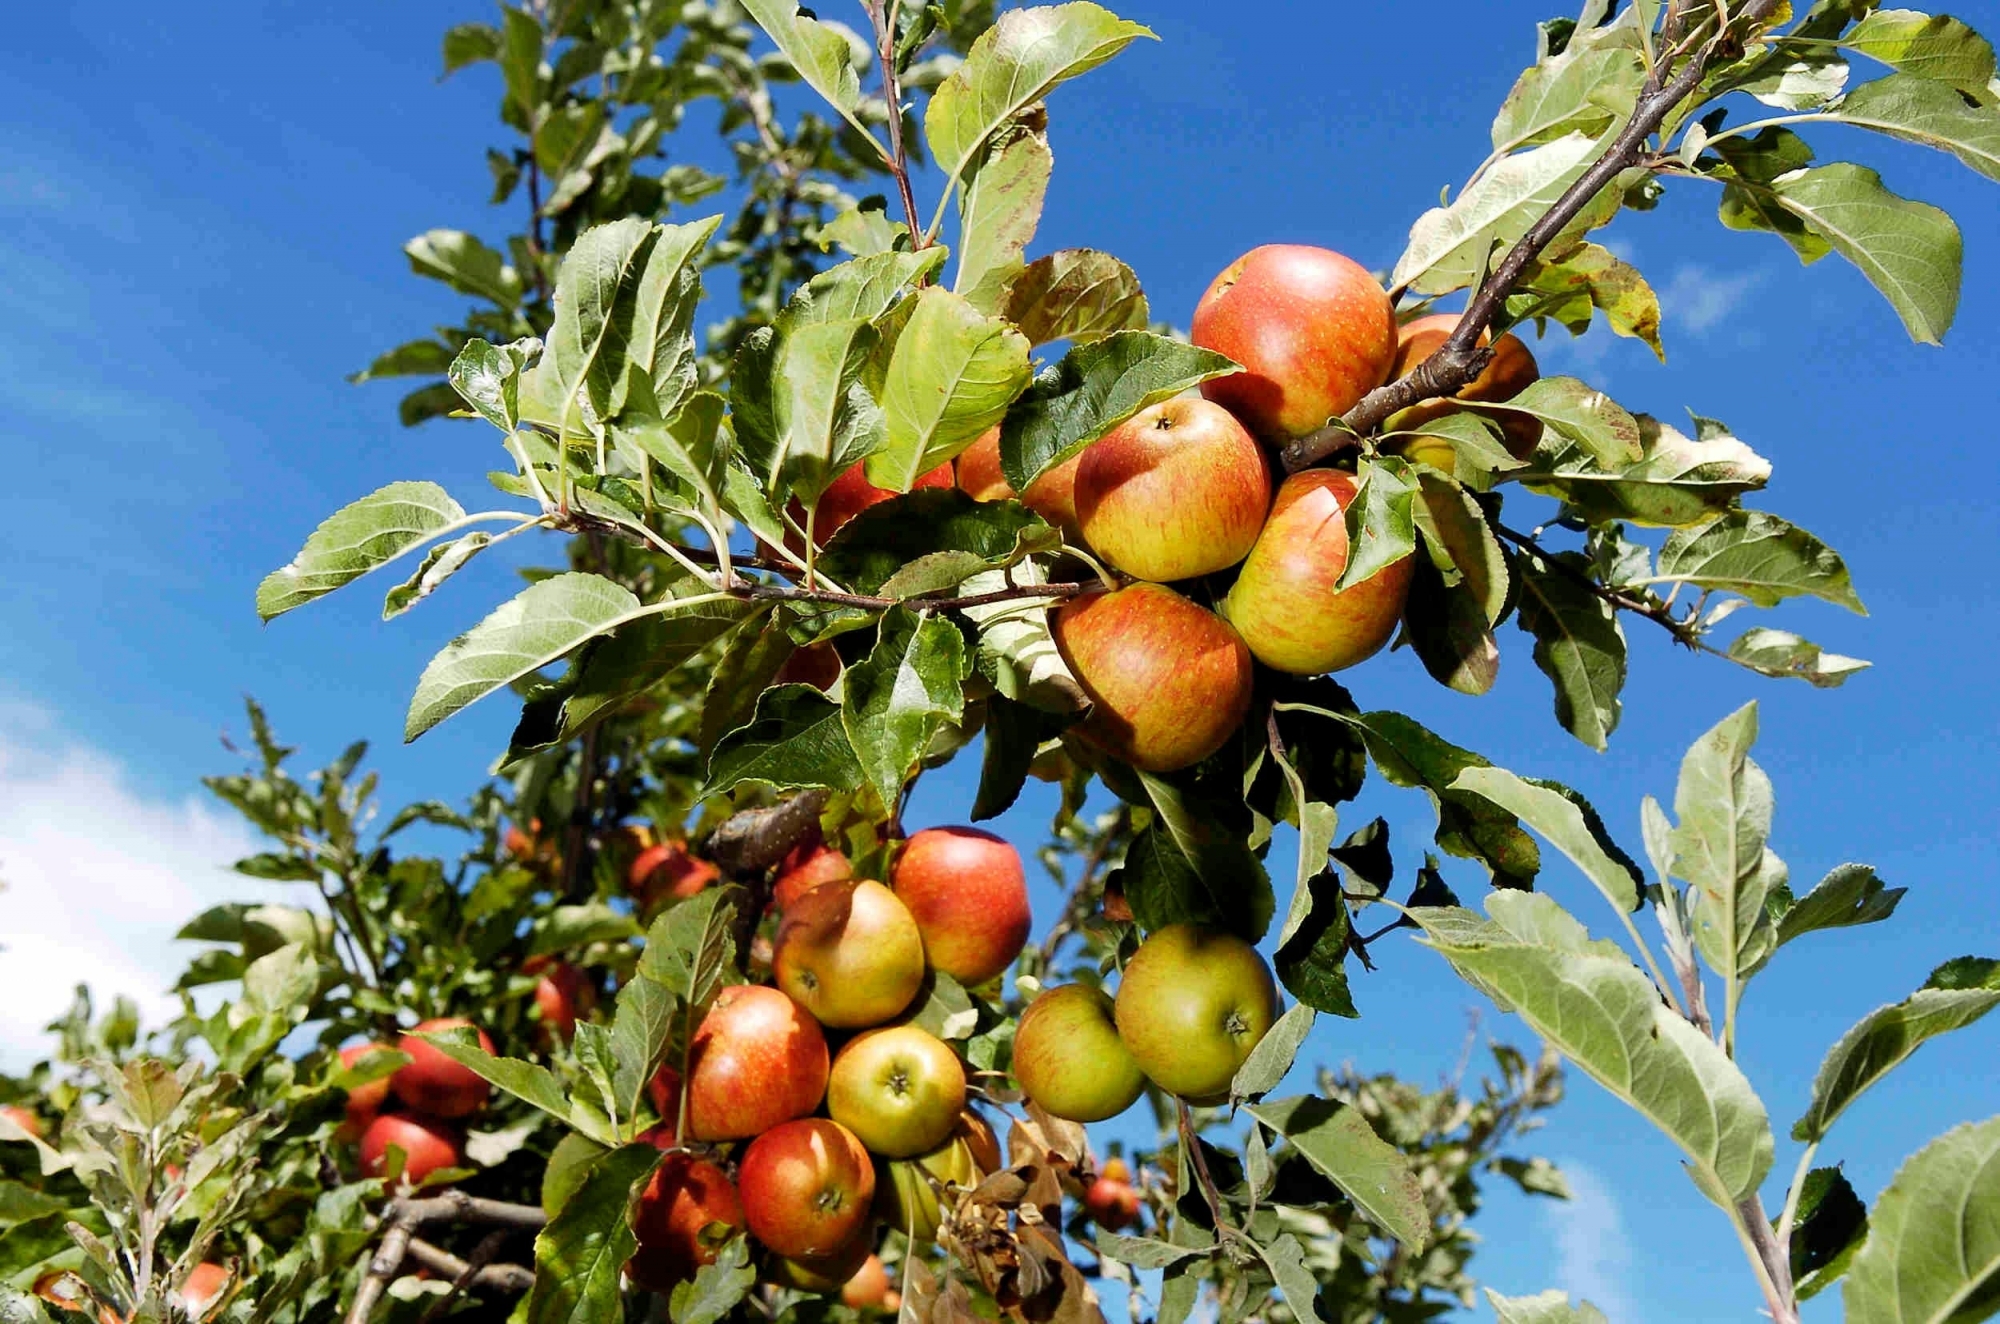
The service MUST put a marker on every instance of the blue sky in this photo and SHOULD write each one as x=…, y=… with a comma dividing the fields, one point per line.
x=204, y=210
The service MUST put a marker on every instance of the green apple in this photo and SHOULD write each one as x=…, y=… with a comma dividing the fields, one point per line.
x=1069, y=1059
x=900, y=1089
x=1192, y=1004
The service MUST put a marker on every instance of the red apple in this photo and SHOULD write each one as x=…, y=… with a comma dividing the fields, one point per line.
x=850, y=953
x=664, y=1091
x=1175, y=491
x=849, y=495
x=363, y=1101
x=1170, y=680
x=427, y=1145
x=1192, y=1004
x=1112, y=1204
x=865, y=1290
x=1069, y=1059
x=667, y=872
x=978, y=470
x=806, y=1188
x=22, y=1118
x=805, y=867
x=202, y=1288
x=563, y=993
x=676, y=1219
x=1512, y=371
x=431, y=1082
x=1284, y=602
x=900, y=1089
x=756, y=1060
x=1313, y=330
x=1052, y=495
x=966, y=890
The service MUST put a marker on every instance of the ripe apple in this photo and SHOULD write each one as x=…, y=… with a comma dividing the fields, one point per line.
x=22, y=1118
x=1512, y=371
x=907, y=1197
x=676, y=1219
x=1191, y=1006
x=1175, y=491
x=427, y=1145
x=1052, y=495
x=849, y=495
x=805, y=867
x=1112, y=1204
x=817, y=665
x=202, y=1288
x=1069, y=1059
x=900, y=1089
x=807, y=1186
x=664, y=1092
x=756, y=1060
x=667, y=872
x=431, y=1082
x=1313, y=330
x=825, y=1275
x=363, y=1101
x=966, y=890
x=868, y=1285
x=850, y=954
x=1170, y=680
x=1284, y=602
x=978, y=470
x=563, y=993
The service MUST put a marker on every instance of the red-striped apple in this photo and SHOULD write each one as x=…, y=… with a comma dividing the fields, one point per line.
x=1175, y=491
x=969, y=896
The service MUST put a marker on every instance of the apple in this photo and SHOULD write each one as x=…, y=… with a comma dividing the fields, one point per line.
x=1170, y=680
x=980, y=1139
x=969, y=896
x=1313, y=330
x=807, y=1186
x=202, y=1288
x=1116, y=1169
x=1069, y=1059
x=757, y=1059
x=1112, y=1204
x=427, y=1145
x=1052, y=495
x=563, y=993
x=866, y=1288
x=900, y=1089
x=825, y=1275
x=1284, y=602
x=805, y=867
x=363, y=1101
x=677, y=1216
x=1192, y=1004
x=850, y=954
x=22, y=1118
x=1511, y=371
x=431, y=1082
x=907, y=1195
x=847, y=496
x=978, y=472
x=817, y=665
x=667, y=872
x=664, y=1092
x=1175, y=491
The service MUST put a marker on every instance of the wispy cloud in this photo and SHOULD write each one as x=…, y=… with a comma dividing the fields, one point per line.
x=95, y=878
x=1697, y=300
x=1593, y=1252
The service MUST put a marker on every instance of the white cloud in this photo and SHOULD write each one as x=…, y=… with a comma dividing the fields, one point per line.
x=1593, y=1253
x=95, y=879
x=1698, y=300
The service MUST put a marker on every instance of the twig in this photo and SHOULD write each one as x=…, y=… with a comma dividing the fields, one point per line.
x=883, y=12
x=1081, y=896
x=1198, y=1164
x=497, y=1277
x=1770, y=1260
x=1460, y=358
x=482, y=1255
x=1657, y=612
x=405, y=1216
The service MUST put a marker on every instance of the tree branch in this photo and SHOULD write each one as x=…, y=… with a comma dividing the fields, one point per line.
x=513, y=1278
x=1657, y=612
x=883, y=12
x=401, y=1221
x=1460, y=358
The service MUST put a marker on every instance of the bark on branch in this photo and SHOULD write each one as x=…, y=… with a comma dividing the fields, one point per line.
x=405, y=1216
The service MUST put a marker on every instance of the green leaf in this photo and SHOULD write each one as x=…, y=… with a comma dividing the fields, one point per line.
x=1015, y=63
x=1286, y=1259
x=689, y=949
x=465, y=264
x=865, y=289
x=358, y=538
x=1782, y=655
x=1093, y=389
x=654, y=337
x=1759, y=556
x=864, y=230
x=585, y=347
x=581, y=1254
x=1579, y=645
x=822, y=54
x=1338, y=1141
x=1201, y=832
x=1014, y=733
x=1928, y=114
x=439, y=564
x=1447, y=627
x=1015, y=653
x=825, y=418
x=469, y=43
x=1603, y=1014
x=1585, y=89
x=1268, y=1062
x=569, y=927
x=1582, y=415
x=1381, y=519
x=1883, y=1039
x=1925, y=46
x=1144, y=1252
x=1849, y=894
x=998, y=213
x=541, y=624
x=1076, y=294
x=1570, y=825
x=889, y=548
x=896, y=700
x=953, y=374
x=796, y=741
x=717, y=1288
x=1831, y=1224
x=1311, y=959
x=641, y=1030
x=1544, y=1308
x=1724, y=803
x=415, y=358
x=531, y=1084
x=488, y=377
x=1450, y=245
x=748, y=665
x=945, y=1010
x=693, y=446
x=1933, y=1249
x=1677, y=480
x=1594, y=278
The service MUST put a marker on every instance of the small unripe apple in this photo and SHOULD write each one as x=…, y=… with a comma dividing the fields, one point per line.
x=1069, y=1059
x=687, y=1210
x=901, y=1089
x=1511, y=371
x=363, y=1101
x=805, y=867
x=1313, y=330
x=1284, y=602
x=757, y=1059
x=202, y=1288
x=907, y=1197
x=849, y=495
x=427, y=1145
x=969, y=896
x=1170, y=680
x=22, y=1118
x=865, y=1290
x=1112, y=1205
x=433, y=1083
x=807, y=1186
x=1192, y=1004
x=1175, y=491
x=563, y=993
x=850, y=954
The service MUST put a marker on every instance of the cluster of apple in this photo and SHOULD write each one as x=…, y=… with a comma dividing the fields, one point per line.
x=1183, y=490
x=419, y=1109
